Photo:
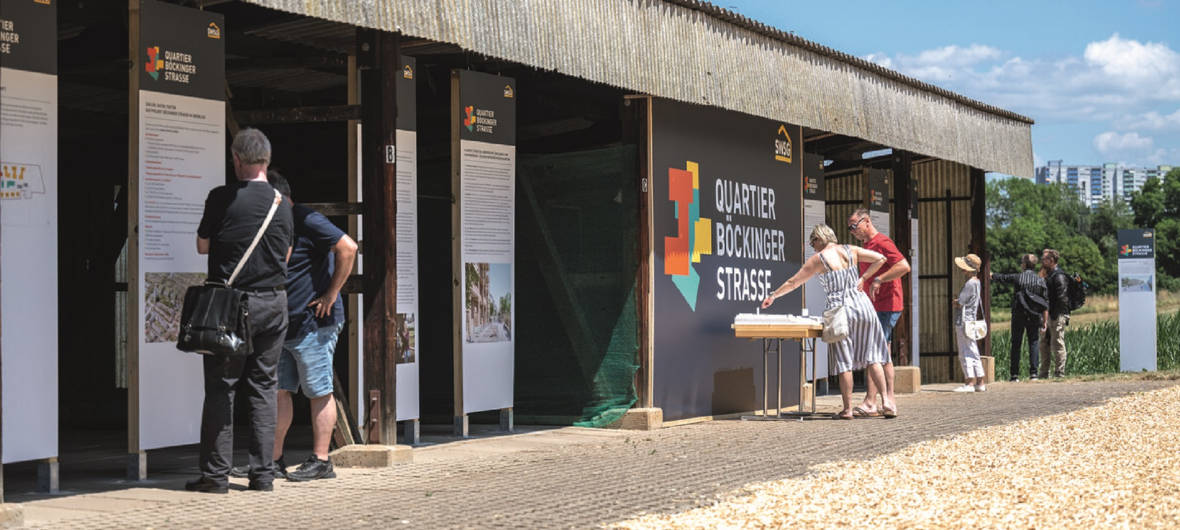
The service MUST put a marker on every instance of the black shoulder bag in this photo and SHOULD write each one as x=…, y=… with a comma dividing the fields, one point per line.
x=214, y=318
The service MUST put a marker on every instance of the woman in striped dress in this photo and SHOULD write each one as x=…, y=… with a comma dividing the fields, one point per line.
x=865, y=346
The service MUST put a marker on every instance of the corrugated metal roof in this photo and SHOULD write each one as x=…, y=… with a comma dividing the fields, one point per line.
x=695, y=52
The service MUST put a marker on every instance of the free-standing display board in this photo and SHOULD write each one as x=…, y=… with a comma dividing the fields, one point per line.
x=1137, y=318
x=28, y=207
x=726, y=200
x=483, y=125
x=879, y=200
x=180, y=140
x=814, y=214
x=407, y=243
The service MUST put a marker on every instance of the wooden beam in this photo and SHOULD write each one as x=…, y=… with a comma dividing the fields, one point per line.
x=353, y=300
x=979, y=248
x=134, y=449
x=328, y=113
x=315, y=62
x=336, y=208
x=379, y=51
x=902, y=223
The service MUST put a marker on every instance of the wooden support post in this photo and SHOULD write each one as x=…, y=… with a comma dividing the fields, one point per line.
x=950, y=278
x=353, y=300
x=379, y=53
x=979, y=248
x=902, y=224
x=136, y=457
x=639, y=128
x=460, y=426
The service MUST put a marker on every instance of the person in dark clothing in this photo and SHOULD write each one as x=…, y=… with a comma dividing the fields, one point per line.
x=1028, y=307
x=233, y=215
x=1056, y=317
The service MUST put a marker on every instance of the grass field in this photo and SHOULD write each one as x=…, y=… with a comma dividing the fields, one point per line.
x=1096, y=310
x=1093, y=348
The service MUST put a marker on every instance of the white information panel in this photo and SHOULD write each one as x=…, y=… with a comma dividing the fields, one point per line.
x=1137, y=310
x=485, y=130
x=407, y=274
x=488, y=174
x=181, y=158
x=28, y=217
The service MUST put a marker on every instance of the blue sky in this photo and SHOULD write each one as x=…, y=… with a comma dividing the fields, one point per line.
x=1101, y=79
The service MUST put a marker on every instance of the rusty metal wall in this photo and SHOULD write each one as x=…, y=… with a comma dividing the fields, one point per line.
x=695, y=52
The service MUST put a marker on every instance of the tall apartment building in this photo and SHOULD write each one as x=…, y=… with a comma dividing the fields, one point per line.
x=1097, y=184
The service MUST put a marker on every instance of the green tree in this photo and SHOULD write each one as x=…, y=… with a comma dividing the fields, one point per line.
x=1148, y=203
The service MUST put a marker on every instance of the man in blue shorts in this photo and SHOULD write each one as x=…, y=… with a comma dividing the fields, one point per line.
x=321, y=260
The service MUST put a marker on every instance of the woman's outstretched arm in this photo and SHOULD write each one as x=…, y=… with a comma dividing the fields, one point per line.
x=810, y=268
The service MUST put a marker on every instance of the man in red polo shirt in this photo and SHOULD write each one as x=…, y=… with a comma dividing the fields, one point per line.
x=884, y=289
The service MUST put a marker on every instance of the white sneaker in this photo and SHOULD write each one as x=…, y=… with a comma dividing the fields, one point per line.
x=981, y=388
x=965, y=388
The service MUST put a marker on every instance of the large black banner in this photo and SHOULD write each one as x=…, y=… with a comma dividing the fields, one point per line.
x=28, y=35
x=182, y=50
x=727, y=215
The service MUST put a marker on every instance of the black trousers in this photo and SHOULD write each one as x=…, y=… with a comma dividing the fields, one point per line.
x=1025, y=327
x=258, y=375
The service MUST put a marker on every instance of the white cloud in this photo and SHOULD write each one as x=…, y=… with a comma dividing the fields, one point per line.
x=1131, y=59
x=1108, y=81
x=1152, y=120
x=1111, y=143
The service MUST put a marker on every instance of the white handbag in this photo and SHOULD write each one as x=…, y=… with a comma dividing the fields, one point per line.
x=835, y=325
x=974, y=329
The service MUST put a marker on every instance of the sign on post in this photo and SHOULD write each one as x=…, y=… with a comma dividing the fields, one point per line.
x=484, y=129
x=28, y=202
x=1137, y=318
x=181, y=156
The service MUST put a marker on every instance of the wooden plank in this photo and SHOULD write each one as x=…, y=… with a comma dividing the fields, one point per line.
x=378, y=99
x=902, y=237
x=133, y=298
x=456, y=258
x=327, y=113
x=353, y=300
x=646, y=272
x=336, y=208
x=979, y=248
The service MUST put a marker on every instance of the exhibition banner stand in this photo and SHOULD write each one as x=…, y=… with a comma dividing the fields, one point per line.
x=726, y=201
x=879, y=200
x=177, y=147
x=28, y=217
x=483, y=136
x=408, y=344
x=1137, y=317
x=814, y=213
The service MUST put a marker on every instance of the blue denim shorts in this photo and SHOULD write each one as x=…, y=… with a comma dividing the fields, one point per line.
x=888, y=321
x=306, y=362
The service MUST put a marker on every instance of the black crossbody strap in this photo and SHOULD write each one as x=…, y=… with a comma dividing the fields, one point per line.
x=257, y=237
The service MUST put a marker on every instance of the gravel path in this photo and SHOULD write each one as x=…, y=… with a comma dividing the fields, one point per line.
x=1115, y=465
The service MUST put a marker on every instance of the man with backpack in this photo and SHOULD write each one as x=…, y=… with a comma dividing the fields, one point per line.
x=1057, y=284
x=1028, y=307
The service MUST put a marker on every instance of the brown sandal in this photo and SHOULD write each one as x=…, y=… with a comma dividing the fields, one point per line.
x=861, y=412
x=839, y=416
x=888, y=412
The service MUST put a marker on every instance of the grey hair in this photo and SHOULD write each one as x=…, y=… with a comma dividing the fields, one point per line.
x=251, y=146
x=823, y=233
x=861, y=212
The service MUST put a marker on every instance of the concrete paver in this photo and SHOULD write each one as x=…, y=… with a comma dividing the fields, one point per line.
x=580, y=477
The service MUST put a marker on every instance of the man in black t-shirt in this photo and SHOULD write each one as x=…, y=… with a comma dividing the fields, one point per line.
x=233, y=215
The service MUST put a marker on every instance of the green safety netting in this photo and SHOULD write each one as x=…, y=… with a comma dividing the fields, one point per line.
x=578, y=344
